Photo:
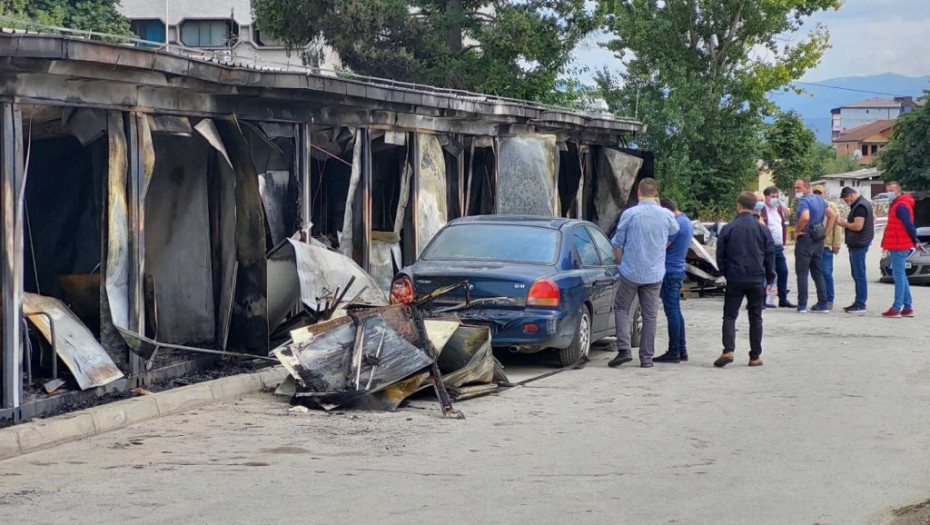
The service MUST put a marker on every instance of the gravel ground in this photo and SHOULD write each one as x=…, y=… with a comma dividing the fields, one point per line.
x=832, y=430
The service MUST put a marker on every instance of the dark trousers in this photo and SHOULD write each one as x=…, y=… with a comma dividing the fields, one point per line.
x=808, y=260
x=733, y=299
x=671, y=302
x=857, y=262
x=781, y=269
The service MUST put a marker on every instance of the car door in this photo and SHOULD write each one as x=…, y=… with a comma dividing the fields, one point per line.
x=609, y=274
x=594, y=278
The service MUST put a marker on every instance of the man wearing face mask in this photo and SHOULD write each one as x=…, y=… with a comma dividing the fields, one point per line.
x=814, y=220
x=831, y=247
x=900, y=240
x=860, y=231
x=774, y=215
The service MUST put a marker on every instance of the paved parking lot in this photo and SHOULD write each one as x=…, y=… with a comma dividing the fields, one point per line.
x=832, y=430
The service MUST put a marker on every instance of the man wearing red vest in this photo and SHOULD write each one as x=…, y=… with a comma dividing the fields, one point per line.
x=900, y=240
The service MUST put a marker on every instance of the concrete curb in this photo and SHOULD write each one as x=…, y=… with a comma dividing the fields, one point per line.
x=44, y=433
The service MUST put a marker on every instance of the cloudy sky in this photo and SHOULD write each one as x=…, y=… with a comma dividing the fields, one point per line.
x=869, y=37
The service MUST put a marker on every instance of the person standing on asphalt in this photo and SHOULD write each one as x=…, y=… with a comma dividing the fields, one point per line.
x=860, y=231
x=831, y=247
x=639, y=244
x=746, y=257
x=814, y=220
x=774, y=215
x=900, y=240
x=678, y=245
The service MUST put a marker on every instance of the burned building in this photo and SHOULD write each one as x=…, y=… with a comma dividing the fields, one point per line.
x=154, y=201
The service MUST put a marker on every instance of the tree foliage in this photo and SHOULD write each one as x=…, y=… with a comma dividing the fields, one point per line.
x=789, y=150
x=92, y=15
x=698, y=73
x=509, y=48
x=827, y=162
x=906, y=158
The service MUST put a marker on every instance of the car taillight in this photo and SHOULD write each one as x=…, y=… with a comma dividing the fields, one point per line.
x=402, y=291
x=543, y=293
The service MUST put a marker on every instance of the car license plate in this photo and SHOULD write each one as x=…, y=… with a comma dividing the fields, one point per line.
x=908, y=265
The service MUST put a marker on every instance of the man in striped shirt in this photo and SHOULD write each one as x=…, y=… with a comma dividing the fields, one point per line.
x=639, y=244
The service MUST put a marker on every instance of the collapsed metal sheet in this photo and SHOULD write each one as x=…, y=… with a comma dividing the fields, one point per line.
x=385, y=257
x=224, y=188
x=615, y=176
x=432, y=205
x=169, y=124
x=273, y=186
x=527, y=176
x=117, y=263
x=322, y=271
x=346, y=242
x=249, y=326
x=75, y=345
x=283, y=284
x=177, y=241
x=207, y=128
x=86, y=124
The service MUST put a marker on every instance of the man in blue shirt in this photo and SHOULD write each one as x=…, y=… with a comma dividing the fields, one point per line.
x=639, y=244
x=678, y=245
x=815, y=219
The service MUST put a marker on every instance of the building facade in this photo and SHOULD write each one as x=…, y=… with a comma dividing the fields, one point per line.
x=226, y=27
x=852, y=116
x=865, y=142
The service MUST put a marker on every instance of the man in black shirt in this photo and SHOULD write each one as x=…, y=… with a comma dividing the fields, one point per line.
x=860, y=231
x=746, y=257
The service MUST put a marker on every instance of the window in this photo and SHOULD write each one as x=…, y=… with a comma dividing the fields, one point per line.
x=865, y=150
x=585, y=247
x=603, y=247
x=266, y=39
x=494, y=242
x=151, y=30
x=842, y=182
x=206, y=33
x=874, y=149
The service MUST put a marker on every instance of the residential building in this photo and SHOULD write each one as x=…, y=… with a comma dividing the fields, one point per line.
x=852, y=116
x=866, y=182
x=864, y=142
x=223, y=26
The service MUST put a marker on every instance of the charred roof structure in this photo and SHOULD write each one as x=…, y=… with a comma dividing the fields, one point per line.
x=159, y=200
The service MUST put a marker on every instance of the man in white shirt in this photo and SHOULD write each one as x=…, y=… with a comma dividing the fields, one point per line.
x=774, y=215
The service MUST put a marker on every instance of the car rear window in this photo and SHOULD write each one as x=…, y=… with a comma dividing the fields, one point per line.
x=495, y=242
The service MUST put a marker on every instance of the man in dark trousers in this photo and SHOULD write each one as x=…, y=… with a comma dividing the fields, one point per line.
x=860, y=231
x=746, y=257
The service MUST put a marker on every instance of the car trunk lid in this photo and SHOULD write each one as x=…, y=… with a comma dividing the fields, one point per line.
x=486, y=280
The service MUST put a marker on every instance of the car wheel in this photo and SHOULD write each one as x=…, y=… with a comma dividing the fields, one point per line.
x=636, y=323
x=581, y=344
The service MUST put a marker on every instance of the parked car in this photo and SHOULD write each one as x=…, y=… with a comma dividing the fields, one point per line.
x=918, y=264
x=539, y=283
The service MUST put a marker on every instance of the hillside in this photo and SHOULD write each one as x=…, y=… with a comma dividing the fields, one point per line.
x=815, y=105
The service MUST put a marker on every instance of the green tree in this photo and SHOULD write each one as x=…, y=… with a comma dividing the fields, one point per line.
x=828, y=162
x=512, y=48
x=92, y=15
x=906, y=158
x=789, y=150
x=698, y=73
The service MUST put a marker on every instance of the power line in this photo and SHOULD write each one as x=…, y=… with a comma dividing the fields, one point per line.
x=851, y=89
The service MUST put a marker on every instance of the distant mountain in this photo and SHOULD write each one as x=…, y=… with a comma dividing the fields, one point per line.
x=814, y=106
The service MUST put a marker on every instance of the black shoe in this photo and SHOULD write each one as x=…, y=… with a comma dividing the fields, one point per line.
x=684, y=357
x=667, y=358
x=645, y=364
x=786, y=304
x=767, y=306
x=857, y=309
x=622, y=357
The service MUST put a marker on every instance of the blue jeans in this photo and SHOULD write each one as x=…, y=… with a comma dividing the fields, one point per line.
x=781, y=270
x=857, y=262
x=671, y=303
x=827, y=267
x=902, y=288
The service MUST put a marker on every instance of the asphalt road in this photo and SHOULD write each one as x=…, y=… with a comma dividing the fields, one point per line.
x=832, y=430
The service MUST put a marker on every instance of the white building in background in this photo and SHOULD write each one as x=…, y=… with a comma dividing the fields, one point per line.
x=224, y=26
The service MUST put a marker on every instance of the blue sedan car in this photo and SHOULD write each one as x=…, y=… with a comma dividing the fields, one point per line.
x=538, y=282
